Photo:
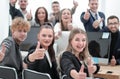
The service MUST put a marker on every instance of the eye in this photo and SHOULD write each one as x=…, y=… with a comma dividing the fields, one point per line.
x=43, y=35
x=50, y=36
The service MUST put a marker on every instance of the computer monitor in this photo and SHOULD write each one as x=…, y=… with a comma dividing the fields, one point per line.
x=7, y=73
x=31, y=74
x=31, y=38
x=99, y=46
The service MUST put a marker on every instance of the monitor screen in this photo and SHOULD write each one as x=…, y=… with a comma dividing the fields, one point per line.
x=99, y=46
x=31, y=38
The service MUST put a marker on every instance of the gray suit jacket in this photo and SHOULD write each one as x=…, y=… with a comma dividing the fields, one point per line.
x=13, y=56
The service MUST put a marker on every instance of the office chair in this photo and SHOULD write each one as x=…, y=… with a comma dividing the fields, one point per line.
x=31, y=74
x=7, y=73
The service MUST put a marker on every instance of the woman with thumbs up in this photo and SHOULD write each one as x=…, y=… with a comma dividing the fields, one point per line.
x=41, y=56
x=74, y=61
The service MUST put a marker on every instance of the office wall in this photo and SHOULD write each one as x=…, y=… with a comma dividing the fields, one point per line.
x=109, y=7
x=112, y=7
x=4, y=19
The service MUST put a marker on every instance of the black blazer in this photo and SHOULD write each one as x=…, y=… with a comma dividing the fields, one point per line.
x=116, y=49
x=69, y=61
x=42, y=65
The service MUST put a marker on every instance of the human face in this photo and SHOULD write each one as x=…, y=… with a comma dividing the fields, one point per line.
x=55, y=8
x=66, y=16
x=113, y=25
x=41, y=14
x=45, y=37
x=19, y=35
x=23, y=4
x=93, y=4
x=78, y=43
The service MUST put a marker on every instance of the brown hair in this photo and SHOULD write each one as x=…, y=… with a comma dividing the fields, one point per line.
x=50, y=48
x=60, y=18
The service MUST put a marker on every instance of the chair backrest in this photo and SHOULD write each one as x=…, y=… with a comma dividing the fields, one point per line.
x=31, y=74
x=7, y=73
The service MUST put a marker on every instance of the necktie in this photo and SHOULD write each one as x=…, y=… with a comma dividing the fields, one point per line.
x=96, y=17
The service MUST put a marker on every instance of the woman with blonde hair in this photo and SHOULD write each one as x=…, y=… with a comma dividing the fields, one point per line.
x=76, y=61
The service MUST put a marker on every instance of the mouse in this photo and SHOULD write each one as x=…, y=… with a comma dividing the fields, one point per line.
x=109, y=72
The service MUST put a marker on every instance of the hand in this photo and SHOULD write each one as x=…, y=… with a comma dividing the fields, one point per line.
x=29, y=16
x=91, y=67
x=2, y=52
x=113, y=61
x=37, y=54
x=97, y=22
x=69, y=26
x=87, y=15
x=75, y=3
x=58, y=34
x=82, y=75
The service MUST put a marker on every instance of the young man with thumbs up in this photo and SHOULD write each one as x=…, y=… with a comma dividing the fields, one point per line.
x=92, y=19
x=10, y=49
x=23, y=8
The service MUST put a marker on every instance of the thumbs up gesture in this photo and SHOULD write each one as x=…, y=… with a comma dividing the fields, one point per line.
x=82, y=75
x=87, y=15
x=97, y=22
x=91, y=67
x=113, y=61
x=37, y=54
x=29, y=15
x=75, y=3
x=2, y=52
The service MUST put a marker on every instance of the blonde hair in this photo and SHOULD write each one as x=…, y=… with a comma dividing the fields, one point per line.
x=20, y=23
x=85, y=52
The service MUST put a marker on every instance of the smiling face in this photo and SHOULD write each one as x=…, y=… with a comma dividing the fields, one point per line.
x=23, y=4
x=45, y=37
x=19, y=35
x=78, y=42
x=93, y=4
x=55, y=7
x=19, y=29
x=66, y=16
x=113, y=25
x=41, y=14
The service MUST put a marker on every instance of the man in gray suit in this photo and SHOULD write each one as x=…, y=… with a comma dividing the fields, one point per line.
x=12, y=57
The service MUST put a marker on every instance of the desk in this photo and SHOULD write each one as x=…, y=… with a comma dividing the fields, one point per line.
x=103, y=72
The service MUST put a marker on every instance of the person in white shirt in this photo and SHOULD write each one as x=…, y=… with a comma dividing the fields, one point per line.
x=23, y=8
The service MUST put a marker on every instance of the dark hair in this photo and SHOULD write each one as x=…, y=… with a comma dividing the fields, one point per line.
x=112, y=17
x=36, y=13
x=94, y=48
x=50, y=48
x=90, y=0
x=55, y=2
